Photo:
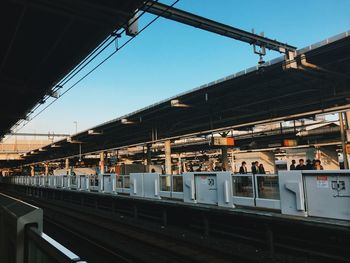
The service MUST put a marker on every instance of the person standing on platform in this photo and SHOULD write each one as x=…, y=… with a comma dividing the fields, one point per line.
x=318, y=165
x=309, y=165
x=255, y=167
x=292, y=166
x=261, y=169
x=301, y=165
x=243, y=168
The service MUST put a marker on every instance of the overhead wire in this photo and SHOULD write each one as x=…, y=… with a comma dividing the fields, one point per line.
x=78, y=68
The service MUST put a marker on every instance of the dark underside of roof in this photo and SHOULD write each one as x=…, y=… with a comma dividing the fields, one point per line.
x=256, y=96
x=42, y=40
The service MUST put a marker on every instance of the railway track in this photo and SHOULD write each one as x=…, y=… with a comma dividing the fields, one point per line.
x=123, y=235
x=118, y=242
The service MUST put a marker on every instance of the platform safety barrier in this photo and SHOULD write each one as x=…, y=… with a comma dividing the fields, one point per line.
x=293, y=192
x=22, y=239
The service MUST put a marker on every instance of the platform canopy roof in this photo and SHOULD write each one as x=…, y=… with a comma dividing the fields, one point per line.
x=320, y=83
x=43, y=40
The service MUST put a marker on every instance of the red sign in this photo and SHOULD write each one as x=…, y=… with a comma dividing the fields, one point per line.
x=321, y=178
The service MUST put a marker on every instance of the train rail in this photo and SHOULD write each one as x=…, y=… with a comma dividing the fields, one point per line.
x=226, y=238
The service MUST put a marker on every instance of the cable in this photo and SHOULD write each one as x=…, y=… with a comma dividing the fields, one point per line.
x=104, y=60
x=64, y=80
x=90, y=58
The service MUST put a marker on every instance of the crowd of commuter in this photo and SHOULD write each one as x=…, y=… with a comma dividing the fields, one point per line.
x=256, y=168
x=310, y=165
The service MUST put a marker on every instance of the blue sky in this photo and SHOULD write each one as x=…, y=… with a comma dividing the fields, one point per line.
x=169, y=58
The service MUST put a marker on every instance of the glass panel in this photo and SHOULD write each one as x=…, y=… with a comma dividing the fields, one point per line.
x=119, y=182
x=177, y=183
x=165, y=183
x=268, y=187
x=242, y=186
x=126, y=181
x=59, y=181
x=73, y=180
x=93, y=181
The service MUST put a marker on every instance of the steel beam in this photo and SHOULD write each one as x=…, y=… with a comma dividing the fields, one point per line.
x=215, y=27
x=37, y=134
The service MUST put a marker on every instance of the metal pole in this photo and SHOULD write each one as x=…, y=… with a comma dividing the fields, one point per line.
x=67, y=165
x=79, y=152
x=102, y=162
x=167, y=150
x=224, y=158
x=343, y=140
x=347, y=121
x=76, y=126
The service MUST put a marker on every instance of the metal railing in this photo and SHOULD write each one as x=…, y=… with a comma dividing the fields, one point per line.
x=40, y=248
x=21, y=236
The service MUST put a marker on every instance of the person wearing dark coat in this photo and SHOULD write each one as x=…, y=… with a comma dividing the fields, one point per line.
x=301, y=165
x=292, y=166
x=318, y=165
x=261, y=169
x=243, y=168
x=255, y=167
x=309, y=165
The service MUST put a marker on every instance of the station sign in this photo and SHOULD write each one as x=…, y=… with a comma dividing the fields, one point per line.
x=289, y=143
x=223, y=141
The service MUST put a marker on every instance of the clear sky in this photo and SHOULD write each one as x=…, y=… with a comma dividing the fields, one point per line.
x=169, y=58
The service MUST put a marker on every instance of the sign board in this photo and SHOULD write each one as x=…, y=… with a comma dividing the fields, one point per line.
x=287, y=142
x=322, y=181
x=229, y=141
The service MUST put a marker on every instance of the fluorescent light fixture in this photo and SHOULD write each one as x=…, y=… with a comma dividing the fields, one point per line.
x=176, y=103
x=93, y=132
x=126, y=121
x=70, y=140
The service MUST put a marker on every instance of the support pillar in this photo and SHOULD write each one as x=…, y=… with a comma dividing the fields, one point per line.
x=167, y=149
x=224, y=155
x=32, y=170
x=347, y=121
x=149, y=157
x=179, y=164
x=343, y=140
x=102, y=162
x=67, y=166
x=46, y=169
x=347, y=114
x=224, y=158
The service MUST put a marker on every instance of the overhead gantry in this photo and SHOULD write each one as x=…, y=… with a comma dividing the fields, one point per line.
x=253, y=39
